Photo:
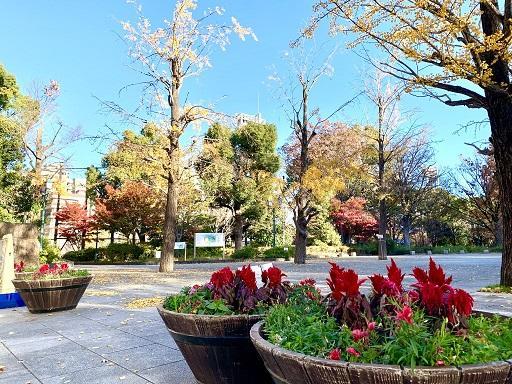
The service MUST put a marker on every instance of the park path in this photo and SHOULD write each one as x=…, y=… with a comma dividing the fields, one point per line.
x=104, y=341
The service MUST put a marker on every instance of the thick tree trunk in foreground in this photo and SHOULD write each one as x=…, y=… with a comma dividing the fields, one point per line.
x=500, y=118
x=167, y=258
x=301, y=238
x=238, y=230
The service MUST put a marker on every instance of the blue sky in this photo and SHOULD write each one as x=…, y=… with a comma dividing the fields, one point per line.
x=78, y=44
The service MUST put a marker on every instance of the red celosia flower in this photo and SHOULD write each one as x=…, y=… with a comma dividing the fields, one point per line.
x=358, y=334
x=343, y=282
x=440, y=363
x=395, y=275
x=64, y=267
x=335, y=354
x=435, y=274
x=248, y=276
x=273, y=276
x=413, y=296
x=462, y=301
x=222, y=277
x=405, y=314
x=18, y=267
x=353, y=352
x=44, y=269
x=390, y=286
x=308, y=282
x=371, y=325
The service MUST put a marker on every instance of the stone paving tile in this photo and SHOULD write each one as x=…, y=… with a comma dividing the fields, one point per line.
x=63, y=363
x=107, y=374
x=163, y=338
x=24, y=333
x=107, y=340
x=145, y=357
x=31, y=349
x=178, y=372
x=13, y=368
x=23, y=377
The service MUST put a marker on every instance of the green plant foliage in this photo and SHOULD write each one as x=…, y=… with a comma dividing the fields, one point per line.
x=304, y=326
x=49, y=253
x=279, y=252
x=113, y=253
x=201, y=302
x=246, y=253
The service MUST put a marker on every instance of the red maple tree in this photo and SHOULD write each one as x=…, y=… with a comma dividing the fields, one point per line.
x=74, y=224
x=352, y=221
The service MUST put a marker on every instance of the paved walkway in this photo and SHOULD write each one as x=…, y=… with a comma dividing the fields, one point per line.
x=103, y=341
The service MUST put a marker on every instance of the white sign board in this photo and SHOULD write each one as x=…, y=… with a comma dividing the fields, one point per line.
x=180, y=245
x=209, y=240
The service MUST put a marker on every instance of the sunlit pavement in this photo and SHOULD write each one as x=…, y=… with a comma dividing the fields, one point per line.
x=103, y=341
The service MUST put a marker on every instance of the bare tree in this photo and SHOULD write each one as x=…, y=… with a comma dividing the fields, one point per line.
x=389, y=135
x=476, y=181
x=306, y=68
x=413, y=177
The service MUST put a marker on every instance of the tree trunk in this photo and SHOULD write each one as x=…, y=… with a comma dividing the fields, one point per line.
x=112, y=237
x=238, y=230
x=500, y=116
x=301, y=238
x=406, y=230
x=167, y=258
x=383, y=216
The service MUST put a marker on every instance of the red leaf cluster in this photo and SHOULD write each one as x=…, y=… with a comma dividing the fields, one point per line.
x=343, y=282
x=391, y=285
x=54, y=269
x=272, y=277
x=248, y=277
x=222, y=278
x=439, y=298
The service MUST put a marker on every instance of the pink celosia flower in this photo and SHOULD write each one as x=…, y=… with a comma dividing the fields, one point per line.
x=335, y=354
x=353, y=352
x=405, y=314
x=358, y=334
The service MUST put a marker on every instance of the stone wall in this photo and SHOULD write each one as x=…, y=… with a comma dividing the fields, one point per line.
x=26, y=244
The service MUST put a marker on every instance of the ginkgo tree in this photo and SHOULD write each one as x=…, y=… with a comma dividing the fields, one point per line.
x=457, y=51
x=167, y=56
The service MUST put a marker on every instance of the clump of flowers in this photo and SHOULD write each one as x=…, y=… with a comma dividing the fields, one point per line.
x=230, y=292
x=429, y=322
x=19, y=267
x=345, y=302
x=51, y=271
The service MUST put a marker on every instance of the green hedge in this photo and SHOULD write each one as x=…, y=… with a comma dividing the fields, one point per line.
x=113, y=253
x=246, y=253
x=371, y=248
x=279, y=252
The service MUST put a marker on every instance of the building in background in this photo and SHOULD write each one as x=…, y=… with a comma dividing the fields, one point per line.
x=60, y=189
x=244, y=118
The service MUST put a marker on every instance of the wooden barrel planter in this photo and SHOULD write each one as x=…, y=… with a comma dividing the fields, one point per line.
x=217, y=349
x=23, y=275
x=52, y=295
x=287, y=367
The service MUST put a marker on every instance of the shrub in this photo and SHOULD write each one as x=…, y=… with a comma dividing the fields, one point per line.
x=246, y=253
x=279, y=252
x=49, y=253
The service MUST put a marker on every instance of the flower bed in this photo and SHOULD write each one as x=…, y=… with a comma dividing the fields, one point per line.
x=52, y=288
x=211, y=323
x=424, y=334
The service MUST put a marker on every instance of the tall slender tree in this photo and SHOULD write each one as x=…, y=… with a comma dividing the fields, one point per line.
x=167, y=56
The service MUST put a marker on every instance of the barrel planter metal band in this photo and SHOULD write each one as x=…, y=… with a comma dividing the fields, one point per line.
x=287, y=367
x=217, y=349
x=53, y=295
